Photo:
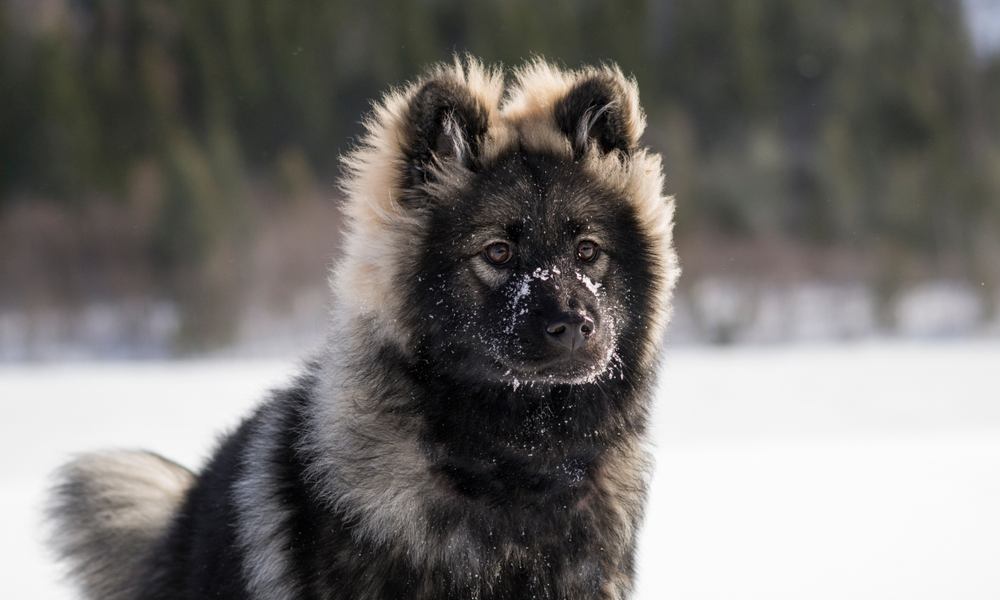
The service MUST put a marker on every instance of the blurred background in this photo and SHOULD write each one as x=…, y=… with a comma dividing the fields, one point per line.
x=168, y=167
x=828, y=424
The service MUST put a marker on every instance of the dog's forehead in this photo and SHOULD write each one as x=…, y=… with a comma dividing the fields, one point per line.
x=539, y=195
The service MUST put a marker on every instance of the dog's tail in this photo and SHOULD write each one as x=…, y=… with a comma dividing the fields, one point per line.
x=108, y=511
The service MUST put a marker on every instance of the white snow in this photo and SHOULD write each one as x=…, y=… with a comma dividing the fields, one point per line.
x=860, y=471
x=543, y=274
x=592, y=286
x=983, y=19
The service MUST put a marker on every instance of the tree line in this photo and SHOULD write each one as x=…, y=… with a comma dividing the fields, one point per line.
x=867, y=126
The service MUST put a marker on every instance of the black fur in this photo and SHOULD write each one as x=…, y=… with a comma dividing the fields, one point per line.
x=505, y=494
x=543, y=204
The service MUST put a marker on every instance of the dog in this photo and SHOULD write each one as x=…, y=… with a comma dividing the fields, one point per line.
x=475, y=425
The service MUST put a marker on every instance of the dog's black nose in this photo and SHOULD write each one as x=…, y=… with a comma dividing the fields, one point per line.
x=570, y=330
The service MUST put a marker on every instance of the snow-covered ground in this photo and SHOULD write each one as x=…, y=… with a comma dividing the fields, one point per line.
x=862, y=471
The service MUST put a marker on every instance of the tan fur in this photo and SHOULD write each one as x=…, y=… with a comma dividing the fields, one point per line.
x=108, y=511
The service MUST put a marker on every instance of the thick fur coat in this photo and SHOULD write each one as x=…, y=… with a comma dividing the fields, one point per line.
x=475, y=426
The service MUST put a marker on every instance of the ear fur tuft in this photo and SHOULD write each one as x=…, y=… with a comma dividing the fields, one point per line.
x=602, y=108
x=443, y=122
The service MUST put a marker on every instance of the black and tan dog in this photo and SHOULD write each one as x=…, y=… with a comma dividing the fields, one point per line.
x=475, y=426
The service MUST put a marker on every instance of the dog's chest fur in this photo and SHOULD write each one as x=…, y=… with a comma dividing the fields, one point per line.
x=517, y=500
x=498, y=514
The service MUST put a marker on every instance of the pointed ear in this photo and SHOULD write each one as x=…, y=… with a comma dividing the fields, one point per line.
x=602, y=109
x=445, y=122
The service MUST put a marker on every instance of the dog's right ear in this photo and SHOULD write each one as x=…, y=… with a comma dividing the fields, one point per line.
x=445, y=122
x=602, y=110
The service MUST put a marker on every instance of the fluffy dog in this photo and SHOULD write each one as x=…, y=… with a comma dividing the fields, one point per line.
x=475, y=425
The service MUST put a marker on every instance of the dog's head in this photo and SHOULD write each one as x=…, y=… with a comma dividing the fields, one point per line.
x=519, y=239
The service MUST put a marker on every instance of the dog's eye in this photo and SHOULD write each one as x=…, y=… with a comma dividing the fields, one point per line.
x=498, y=253
x=587, y=250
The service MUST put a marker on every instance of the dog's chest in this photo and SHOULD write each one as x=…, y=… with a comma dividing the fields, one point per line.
x=563, y=544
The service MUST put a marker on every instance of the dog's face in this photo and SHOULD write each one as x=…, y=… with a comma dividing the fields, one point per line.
x=531, y=273
x=517, y=238
x=530, y=268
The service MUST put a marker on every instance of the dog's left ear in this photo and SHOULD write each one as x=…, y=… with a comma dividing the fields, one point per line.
x=445, y=122
x=602, y=109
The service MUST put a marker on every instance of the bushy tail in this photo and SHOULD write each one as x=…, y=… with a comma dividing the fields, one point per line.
x=107, y=512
